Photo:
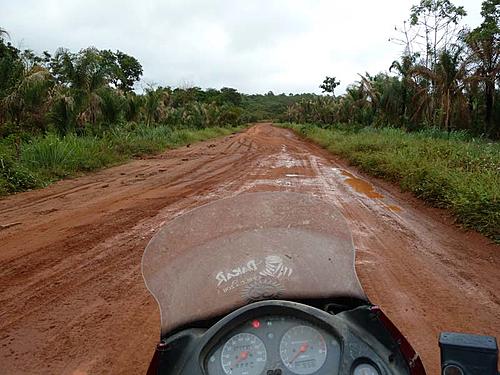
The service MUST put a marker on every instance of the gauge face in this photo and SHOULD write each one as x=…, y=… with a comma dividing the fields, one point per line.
x=243, y=354
x=303, y=350
x=365, y=369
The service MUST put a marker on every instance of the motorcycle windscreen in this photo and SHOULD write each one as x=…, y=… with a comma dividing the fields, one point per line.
x=255, y=246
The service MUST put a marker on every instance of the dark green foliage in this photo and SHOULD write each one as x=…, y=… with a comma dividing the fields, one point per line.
x=122, y=70
x=112, y=105
x=230, y=95
x=329, y=85
x=133, y=105
x=484, y=45
x=270, y=107
x=15, y=177
x=63, y=113
x=230, y=114
x=66, y=91
x=11, y=67
x=88, y=91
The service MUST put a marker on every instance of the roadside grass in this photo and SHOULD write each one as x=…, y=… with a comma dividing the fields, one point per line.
x=42, y=160
x=452, y=171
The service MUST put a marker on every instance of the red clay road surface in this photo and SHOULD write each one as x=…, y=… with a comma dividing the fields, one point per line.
x=72, y=299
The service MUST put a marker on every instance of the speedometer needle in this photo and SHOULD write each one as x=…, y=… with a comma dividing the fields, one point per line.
x=303, y=348
x=242, y=357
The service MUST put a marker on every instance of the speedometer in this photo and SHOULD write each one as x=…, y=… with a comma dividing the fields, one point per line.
x=244, y=354
x=303, y=350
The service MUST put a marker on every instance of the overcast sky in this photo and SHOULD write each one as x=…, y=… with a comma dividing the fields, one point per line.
x=252, y=45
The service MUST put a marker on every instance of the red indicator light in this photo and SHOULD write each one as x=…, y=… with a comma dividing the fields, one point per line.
x=255, y=324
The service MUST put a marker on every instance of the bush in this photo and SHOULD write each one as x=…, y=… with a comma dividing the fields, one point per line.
x=15, y=177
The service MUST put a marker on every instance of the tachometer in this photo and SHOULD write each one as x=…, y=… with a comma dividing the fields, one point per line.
x=365, y=369
x=244, y=354
x=303, y=350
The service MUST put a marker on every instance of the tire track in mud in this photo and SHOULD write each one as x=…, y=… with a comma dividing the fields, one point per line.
x=72, y=299
x=92, y=257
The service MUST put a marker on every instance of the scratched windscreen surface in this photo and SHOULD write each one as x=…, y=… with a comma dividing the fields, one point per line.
x=255, y=246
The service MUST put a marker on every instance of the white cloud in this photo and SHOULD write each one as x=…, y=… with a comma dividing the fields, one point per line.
x=255, y=46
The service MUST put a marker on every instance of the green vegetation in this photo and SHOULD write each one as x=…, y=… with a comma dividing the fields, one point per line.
x=92, y=89
x=270, y=106
x=68, y=113
x=43, y=159
x=447, y=77
x=448, y=170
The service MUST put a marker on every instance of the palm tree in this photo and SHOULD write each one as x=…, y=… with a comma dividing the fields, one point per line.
x=404, y=69
x=156, y=105
x=63, y=112
x=3, y=33
x=449, y=77
x=369, y=88
x=352, y=105
x=133, y=106
x=84, y=74
x=385, y=96
x=29, y=98
x=484, y=45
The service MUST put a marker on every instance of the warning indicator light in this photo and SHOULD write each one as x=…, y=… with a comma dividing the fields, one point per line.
x=255, y=323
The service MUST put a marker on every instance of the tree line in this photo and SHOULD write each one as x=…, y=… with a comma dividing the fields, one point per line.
x=88, y=90
x=448, y=76
x=91, y=90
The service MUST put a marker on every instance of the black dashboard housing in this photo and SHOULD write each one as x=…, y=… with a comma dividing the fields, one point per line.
x=472, y=354
x=362, y=335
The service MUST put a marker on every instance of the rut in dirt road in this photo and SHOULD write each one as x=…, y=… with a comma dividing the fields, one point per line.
x=71, y=293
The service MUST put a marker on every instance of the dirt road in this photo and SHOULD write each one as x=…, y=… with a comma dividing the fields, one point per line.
x=72, y=298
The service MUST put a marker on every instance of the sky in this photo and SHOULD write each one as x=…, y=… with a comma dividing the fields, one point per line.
x=255, y=46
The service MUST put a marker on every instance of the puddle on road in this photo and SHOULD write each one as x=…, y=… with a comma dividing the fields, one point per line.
x=367, y=189
x=361, y=186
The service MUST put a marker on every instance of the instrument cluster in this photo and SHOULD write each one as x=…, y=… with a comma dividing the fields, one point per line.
x=278, y=345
